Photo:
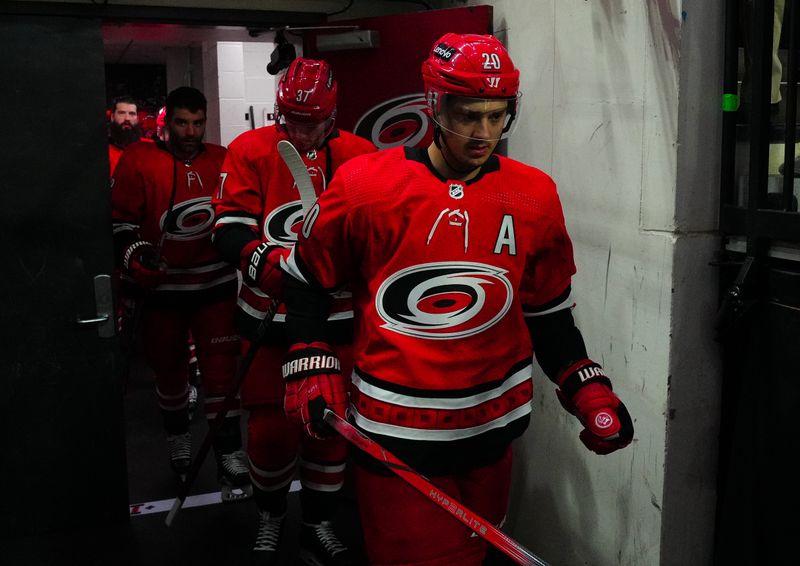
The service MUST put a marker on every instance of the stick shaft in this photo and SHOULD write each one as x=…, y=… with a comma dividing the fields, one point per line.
x=464, y=515
x=297, y=167
x=216, y=424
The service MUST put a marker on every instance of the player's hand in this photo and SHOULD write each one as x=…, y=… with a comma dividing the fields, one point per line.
x=142, y=262
x=260, y=265
x=314, y=381
x=585, y=391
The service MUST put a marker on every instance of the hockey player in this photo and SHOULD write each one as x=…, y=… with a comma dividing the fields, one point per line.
x=460, y=265
x=162, y=215
x=258, y=212
x=123, y=128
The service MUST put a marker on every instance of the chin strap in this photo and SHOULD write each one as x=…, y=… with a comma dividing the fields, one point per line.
x=437, y=132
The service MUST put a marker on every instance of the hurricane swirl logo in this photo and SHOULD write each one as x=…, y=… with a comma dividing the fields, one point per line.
x=398, y=121
x=189, y=220
x=283, y=223
x=444, y=300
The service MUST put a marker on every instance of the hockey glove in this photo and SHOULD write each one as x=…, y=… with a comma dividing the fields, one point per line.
x=314, y=381
x=260, y=265
x=142, y=263
x=585, y=391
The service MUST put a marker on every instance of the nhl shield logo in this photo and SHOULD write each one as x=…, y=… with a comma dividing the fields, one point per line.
x=456, y=190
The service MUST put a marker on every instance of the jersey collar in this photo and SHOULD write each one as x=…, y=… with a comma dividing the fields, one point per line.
x=420, y=155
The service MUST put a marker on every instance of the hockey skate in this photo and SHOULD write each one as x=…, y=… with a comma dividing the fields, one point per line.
x=180, y=452
x=268, y=539
x=234, y=477
x=319, y=546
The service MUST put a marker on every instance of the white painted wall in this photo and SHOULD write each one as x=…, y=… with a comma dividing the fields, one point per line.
x=236, y=79
x=621, y=107
x=184, y=67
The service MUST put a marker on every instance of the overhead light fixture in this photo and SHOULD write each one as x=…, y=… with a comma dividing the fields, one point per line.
x=358, y=39
x=282, y=56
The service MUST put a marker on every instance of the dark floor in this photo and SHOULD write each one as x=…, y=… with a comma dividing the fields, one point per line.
x=208, y=535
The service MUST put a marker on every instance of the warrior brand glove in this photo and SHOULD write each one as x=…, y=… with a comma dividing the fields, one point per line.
x=142, y=263
x=585, y=391
x=260, y=265
x=314, y=381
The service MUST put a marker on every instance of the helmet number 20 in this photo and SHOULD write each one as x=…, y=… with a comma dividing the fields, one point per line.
x=491, y=60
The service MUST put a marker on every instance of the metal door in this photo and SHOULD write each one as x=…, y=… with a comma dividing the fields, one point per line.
x=63, y=439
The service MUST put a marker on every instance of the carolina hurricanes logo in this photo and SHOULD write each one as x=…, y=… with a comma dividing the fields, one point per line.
x=282, y=224
x=444, y=300
x=398, y=121
x=189, y=220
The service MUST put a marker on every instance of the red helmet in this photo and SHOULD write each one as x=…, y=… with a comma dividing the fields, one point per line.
x=162, y=117
x=307, y=92
x=161, y=123
x=471, y=65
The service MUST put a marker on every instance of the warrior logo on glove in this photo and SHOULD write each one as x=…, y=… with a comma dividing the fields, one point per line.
x=310, y=366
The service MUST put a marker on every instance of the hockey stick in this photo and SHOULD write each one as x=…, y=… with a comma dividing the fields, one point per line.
x=305, y=187
x=216, y=425
x=299, y=173
x=138, y=303
x=477, y=524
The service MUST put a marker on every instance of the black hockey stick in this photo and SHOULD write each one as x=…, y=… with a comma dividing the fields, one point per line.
x=219, y=419
x=138, y=303
x=307, y=195
x=462, y=514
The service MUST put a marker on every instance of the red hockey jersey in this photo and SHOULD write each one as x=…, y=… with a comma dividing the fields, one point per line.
x=258, y=191
x=142, y=187
x=445, y=274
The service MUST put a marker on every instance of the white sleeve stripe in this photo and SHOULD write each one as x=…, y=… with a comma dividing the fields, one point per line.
x=567, y=303
x=256, y=291
x=237, y=220
x=289, y=265
x=121, y=227
x=250, y=310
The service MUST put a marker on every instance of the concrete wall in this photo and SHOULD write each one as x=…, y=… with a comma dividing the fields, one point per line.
x=621, y=108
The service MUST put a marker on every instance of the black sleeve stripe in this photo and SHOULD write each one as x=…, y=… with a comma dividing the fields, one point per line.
x=122, y=241
x=231, y=238
x=556, y=340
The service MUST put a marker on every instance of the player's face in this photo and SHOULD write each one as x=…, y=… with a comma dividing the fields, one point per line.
x=125, y=115
x=306, y=137
x=472, y=128
x=185, y=131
